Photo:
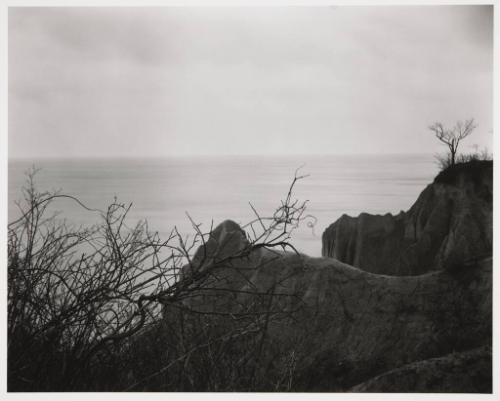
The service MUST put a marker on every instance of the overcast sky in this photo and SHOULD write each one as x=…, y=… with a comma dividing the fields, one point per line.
x=286, y=80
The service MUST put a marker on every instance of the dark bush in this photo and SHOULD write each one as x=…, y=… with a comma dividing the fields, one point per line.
x=105, y=308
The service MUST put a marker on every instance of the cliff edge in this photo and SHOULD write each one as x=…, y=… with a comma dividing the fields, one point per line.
x=351, y=330
x=414, y=313
x=450, y=223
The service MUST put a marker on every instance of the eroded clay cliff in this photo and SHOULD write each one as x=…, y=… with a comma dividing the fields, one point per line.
x=349, y=325
x=423, y=325
x=450, y=223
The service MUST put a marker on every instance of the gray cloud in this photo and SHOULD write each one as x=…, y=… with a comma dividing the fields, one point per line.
x=159, y=81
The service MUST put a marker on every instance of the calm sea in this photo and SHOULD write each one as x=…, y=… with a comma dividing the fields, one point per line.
x=219, y=188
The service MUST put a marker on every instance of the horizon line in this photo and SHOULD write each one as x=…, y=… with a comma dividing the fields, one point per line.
x=210, y=155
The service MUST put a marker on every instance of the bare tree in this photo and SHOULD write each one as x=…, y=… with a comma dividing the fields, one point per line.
x=452, y=137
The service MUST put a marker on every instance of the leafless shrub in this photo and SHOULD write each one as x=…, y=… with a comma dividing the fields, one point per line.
x=444, y=161
x=81, y=300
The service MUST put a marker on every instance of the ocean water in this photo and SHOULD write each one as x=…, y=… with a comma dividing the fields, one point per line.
x=220, y=188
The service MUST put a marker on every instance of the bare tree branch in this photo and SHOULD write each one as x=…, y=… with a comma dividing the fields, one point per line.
x=75, y=295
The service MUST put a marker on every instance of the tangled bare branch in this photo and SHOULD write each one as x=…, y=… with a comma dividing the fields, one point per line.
x=76, y=296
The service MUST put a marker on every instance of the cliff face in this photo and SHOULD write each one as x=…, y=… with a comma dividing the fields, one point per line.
x=353, y=325
x=450, y=223
x=424, y=325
